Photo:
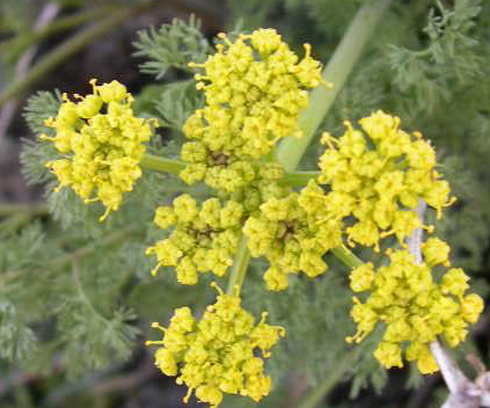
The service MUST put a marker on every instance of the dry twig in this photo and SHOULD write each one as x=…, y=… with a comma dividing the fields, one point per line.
x=463, y=393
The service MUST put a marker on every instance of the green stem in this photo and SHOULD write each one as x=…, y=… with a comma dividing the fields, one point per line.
x=171, y=166
x=347, y=257
x=337, y=71
x=299, y=178
x=70, y=47
x=239, y=268
x=335, y=375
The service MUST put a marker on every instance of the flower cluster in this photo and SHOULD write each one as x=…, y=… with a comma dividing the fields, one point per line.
x=101, y=142
x=203, y=239
x=219, y=353
x=414, y=308
x=255, y=89
x=288, y=233
x=370, y=182
x=378, y=176
x=266, y=186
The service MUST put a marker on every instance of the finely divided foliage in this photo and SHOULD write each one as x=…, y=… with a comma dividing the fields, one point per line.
x=171, y=46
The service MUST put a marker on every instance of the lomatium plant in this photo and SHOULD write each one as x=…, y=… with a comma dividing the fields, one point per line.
x=364, y=196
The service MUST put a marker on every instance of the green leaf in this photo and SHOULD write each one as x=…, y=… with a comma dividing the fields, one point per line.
x=41, y=106
x=171, y=46
x=16, y=339
x=177, y=102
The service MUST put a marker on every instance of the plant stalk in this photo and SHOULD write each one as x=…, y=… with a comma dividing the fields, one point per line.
x=299, y=178
x=347, y=257
x=239, y=268
x=336, y=72
x=171, y=166
x=21, y=43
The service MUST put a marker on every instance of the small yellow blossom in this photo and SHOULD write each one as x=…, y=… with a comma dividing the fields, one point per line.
x=472, y=306
x=436, y=252
x=381, y=173
x=413, y=307
x=101, y=144
x=219, y=353
x=362, y=278
x=455, y=282
x=389, y=354
x=421, y=353
x=203, y=239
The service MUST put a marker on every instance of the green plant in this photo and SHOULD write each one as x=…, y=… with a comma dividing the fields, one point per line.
x=253, y=203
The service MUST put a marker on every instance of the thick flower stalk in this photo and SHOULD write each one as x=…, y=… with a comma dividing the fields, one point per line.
x=414, y=308
x=203, y=239
x=255, y=89
x=288, y=233
x=378, y=176
x=220, y=353
x=101, y=144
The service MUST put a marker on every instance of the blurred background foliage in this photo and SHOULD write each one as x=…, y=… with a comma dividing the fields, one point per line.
x=76, y=296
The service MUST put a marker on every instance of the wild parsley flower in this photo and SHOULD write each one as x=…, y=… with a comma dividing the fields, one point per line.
x=415, y=309
x=101, y=143
x=222, y=352
x=378, y=176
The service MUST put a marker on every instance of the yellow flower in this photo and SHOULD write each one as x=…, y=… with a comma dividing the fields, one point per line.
x=203, y=239
x=362, y=277
x=414, y=309
x=455, y=282
x=425, y=360
x=436, y=252
x=389, y=354
x=291, y=234
x=255, y=89
x=472, y=306
x=219, y=353
x=381, y=173
x=100, y=151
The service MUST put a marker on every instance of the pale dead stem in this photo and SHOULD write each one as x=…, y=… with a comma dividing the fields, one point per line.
x=463, y=393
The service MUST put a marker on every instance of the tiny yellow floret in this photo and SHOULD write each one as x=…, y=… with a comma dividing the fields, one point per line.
x=436, y=252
